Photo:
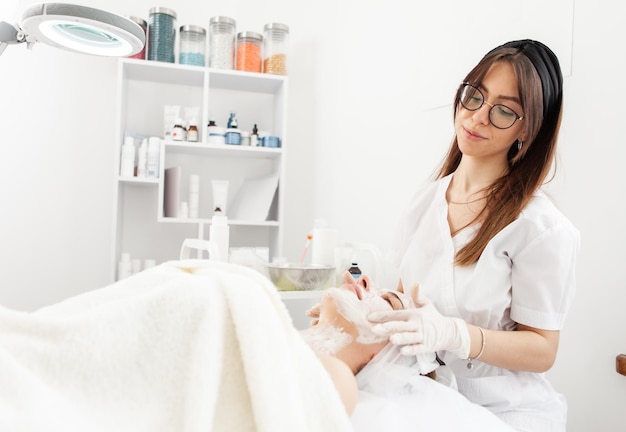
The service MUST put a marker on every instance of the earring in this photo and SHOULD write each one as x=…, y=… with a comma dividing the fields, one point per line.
x=520, y=143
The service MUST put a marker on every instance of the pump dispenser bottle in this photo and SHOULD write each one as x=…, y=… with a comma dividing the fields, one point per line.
x=219, y=234
x=233, y=135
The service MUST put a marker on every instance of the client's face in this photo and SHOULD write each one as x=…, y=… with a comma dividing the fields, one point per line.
x=343, y=329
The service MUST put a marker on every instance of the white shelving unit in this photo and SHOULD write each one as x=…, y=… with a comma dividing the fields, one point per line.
x=144, y=88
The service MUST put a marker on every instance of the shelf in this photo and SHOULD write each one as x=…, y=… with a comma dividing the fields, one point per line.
x=174, y=73
x=208, y=221
x=139, y=181
x=245, y=81
x=225, y=150
x=144, y=87
x=163, y=73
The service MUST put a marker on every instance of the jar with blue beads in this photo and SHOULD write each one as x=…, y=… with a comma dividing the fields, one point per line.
x=192, y=45
x=161, y=35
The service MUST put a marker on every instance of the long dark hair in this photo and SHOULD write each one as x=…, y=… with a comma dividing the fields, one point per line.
x=539, y=82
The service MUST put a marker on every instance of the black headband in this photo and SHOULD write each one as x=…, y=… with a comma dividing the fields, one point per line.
x=547, y=65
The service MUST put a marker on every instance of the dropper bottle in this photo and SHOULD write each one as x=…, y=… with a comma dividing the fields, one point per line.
x=254, y=137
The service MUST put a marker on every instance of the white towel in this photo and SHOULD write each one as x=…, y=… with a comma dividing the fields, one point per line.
x=183, y=347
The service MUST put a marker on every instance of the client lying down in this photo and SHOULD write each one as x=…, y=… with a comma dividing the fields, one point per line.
x=380, y=387
x=342, y=337
x=198, y=346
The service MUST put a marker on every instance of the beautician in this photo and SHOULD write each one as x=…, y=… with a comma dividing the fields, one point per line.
x=491, y=255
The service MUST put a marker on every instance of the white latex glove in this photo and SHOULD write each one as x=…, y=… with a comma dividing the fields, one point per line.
x=423, y=329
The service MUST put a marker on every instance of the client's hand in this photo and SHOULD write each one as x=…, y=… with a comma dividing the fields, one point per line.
x=423, y=329
x=364, y=281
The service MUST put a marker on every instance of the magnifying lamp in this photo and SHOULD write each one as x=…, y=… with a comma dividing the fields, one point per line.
x=75, y=28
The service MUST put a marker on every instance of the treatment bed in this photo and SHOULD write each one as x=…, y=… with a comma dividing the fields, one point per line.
x=187, y=346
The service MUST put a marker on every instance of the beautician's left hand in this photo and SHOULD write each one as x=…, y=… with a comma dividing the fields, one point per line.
x=423, y=329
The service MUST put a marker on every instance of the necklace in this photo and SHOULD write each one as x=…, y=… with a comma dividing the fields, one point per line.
x=466, y=202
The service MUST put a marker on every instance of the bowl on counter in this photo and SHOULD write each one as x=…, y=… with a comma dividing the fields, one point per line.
x=301, y=277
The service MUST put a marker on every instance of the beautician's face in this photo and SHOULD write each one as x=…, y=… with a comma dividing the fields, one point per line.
x=476, y=136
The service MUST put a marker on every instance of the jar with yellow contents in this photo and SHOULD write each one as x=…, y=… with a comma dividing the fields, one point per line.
x=275, y=48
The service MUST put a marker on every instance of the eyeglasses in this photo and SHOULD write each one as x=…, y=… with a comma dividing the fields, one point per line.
x=501, y=116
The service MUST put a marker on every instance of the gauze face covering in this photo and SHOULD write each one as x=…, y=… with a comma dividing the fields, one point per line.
x=356, y=311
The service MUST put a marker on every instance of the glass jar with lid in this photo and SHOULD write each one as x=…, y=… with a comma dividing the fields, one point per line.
x=249, y=46
x=275, y=48
x=162, y=35
x=192, y=45
x=222, y=42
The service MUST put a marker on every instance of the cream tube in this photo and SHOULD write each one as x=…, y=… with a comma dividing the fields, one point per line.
x=220, y=194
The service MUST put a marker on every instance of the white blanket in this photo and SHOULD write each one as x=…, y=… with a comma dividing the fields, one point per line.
x=183, y=347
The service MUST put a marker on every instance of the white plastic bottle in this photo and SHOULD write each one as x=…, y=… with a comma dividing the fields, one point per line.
x=219, y=234
x=324, y=243
x=127, y=165
x=194, y=195
x=142, y=158
x=152, y=160
x=124, y=267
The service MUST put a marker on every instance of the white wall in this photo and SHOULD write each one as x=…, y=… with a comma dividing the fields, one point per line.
x=364, y=77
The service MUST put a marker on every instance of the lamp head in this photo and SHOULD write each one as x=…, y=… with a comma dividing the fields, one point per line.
x=75, y=28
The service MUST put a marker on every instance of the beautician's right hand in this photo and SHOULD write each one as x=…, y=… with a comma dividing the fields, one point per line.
x=423, y=329
x=364, y=282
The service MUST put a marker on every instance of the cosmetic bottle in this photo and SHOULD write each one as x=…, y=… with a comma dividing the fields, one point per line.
x=216, y=134
x=127, y=165
x=124, y=267
x=194, y=195
x=192, y=133
x=232, y=121
x=142, y=158
x=179, y=133
x=254, y=137
x=323, y=243
x=152, y=161
x=354, y=270
x=233, y=135
x=219, y=234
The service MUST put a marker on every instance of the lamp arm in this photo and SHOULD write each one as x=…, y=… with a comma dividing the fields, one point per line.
x=10, y=34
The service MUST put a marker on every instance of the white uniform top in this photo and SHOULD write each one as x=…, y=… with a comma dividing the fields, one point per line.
x=525, y=275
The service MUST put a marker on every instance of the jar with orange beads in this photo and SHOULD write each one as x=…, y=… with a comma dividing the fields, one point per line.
x=275, y=47
x=248, y=55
